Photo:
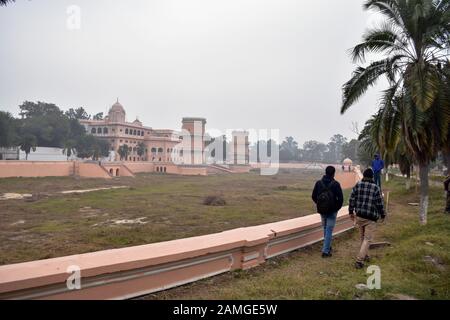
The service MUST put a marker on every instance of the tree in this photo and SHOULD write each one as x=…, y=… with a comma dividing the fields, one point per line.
x=313, y=151
x=100, y=149
x=8, y=130
x=141, y=149
x=350, y=150
x=98, y=116
x=28, y=143
x=5, y=2
x=78, y=114
x=46, y=122
x=89, y=146
x=414, y=40
x=289, y=150
x=69, y=148
x=123, y=152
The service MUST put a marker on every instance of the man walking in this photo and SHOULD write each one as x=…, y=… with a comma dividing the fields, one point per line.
x=377, y=166
x=328, y=197
x=367, y=202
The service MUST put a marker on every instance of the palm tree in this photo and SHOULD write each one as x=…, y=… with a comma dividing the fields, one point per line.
x=5, y=2
x=140, y=149
x=123, y=152
x=27, y=143
x=69, y=148
x=414, y=41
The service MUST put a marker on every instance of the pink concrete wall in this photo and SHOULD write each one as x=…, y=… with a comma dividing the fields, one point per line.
x=9, y=169
x=192, y=171
x=240, y=169
x=134, y=271
x=118, y=169
x=140, y=167
x=92, y=170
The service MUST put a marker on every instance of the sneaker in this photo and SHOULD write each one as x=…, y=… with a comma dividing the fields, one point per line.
x=359, y=265
x=326, y=255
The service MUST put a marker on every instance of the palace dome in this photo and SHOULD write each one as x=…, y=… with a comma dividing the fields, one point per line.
x=117, y=112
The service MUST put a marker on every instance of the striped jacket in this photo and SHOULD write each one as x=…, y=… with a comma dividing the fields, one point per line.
x=366, y=201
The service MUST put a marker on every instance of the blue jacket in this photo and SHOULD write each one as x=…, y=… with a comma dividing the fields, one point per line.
x=377, y=165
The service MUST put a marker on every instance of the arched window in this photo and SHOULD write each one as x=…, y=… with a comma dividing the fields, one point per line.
x=160, y=150
x=126, y=131
x=93, y=131
x=142, y=133
x=105, y=130
x=111, y=171
x=99, y=130
x=165, y=169
x=153, y=150
x=160, y=159
x=157, y=169
x=134, y=132
x=117, y=172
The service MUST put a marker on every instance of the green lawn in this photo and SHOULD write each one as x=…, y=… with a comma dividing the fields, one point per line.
x=171, y=207
x=417, y=264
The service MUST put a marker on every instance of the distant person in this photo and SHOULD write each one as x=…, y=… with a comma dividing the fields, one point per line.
x=377, y=166
x=367, y=202
x=328, y=197
x=446, y=186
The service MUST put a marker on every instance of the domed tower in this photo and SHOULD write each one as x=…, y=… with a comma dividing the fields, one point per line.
x=116, y=113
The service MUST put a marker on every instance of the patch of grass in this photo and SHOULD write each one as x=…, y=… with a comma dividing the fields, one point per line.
x=59, y=225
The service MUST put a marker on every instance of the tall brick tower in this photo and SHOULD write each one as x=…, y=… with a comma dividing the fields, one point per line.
x=240, y=148
x=194, y=149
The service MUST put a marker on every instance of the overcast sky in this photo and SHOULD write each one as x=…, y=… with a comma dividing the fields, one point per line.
x=254, y=64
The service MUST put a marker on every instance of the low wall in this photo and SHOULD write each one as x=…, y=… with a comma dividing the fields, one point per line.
x=117, y=169
x=91, y=170
x=192, y=170
x=12, y=169
x=140, y=167
x=240, y=169
x=131, y=272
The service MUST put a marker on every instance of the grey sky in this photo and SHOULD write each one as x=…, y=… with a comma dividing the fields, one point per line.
x=239, y=63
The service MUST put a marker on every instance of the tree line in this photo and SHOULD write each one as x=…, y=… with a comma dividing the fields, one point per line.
x=46, y=125
x=335, y=151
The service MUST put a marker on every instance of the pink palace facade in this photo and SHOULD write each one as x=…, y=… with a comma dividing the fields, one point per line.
x=160, y=144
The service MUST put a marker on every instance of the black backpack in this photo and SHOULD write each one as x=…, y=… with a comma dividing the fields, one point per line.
x=326, y=201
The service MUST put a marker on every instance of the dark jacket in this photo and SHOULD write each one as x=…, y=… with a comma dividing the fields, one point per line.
x=366, y=200
x=335, y=189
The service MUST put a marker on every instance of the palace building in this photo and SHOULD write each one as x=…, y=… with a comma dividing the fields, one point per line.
x=146, y=143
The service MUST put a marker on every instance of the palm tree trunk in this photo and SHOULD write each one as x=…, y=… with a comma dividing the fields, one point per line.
x=408, y=179
x=424, y=186
x=447, y=160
